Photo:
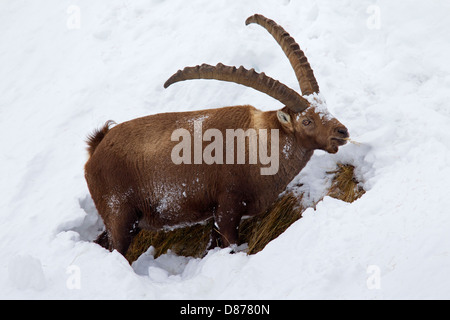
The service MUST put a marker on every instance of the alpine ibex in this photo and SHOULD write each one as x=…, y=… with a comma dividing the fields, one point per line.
x=135, y=182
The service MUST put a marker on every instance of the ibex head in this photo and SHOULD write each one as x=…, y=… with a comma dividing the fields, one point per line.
x=304, y=116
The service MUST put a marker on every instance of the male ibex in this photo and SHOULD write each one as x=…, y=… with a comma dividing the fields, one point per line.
x=135, y=183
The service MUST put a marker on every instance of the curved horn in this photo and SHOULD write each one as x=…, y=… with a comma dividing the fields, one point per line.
x=296, y=56
x=249, y=78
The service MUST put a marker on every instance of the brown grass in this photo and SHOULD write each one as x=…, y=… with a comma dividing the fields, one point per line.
x=256, y=231
x=344, y=186
x=190, y=241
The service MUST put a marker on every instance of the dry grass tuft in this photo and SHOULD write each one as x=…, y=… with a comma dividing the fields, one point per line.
x=189, y=241
x=256, y=231
x=344, y=186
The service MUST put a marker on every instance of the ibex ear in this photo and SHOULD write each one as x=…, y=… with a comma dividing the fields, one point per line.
x=285, y=120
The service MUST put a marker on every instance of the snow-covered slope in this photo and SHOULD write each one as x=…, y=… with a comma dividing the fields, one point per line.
x=68, y=66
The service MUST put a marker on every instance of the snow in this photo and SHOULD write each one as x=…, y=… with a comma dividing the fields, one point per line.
x=69, y=66
x=319, y=104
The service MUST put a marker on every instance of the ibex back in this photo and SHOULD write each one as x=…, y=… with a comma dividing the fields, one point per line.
x=136, y=183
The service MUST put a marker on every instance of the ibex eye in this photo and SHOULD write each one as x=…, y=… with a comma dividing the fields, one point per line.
x=306, y=122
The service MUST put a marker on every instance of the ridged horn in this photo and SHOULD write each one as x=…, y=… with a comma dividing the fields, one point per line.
x=249, y=78
x=296, y=56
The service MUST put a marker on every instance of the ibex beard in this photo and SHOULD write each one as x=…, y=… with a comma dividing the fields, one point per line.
x=257, y=147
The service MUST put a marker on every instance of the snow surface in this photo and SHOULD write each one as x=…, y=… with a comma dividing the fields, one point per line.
x=382, y=67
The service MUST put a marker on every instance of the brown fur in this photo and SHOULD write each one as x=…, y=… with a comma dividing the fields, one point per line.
x=134, y=183
x=97, y=136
